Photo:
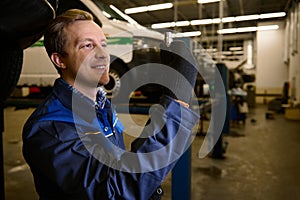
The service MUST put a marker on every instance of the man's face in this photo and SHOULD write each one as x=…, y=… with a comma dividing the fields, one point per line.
x=87, y=59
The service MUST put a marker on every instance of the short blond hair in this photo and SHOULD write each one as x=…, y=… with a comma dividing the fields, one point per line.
x=55, y=38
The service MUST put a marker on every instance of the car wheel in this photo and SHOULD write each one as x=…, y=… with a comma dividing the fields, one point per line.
x=114, y=86
x=10, y=69
x=152, y=91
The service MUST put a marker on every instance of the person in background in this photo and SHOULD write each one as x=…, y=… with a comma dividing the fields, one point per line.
x=73, y=141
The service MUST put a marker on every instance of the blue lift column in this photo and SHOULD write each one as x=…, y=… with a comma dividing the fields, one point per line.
x=181, y=173
x=181, y=177
x=219, y=148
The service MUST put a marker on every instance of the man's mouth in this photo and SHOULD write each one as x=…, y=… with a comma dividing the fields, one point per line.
x=99, y=66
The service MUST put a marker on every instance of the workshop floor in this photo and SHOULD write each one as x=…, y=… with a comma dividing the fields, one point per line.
x=262, y=160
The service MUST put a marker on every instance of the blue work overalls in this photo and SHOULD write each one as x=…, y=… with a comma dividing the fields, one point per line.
x=59, y=140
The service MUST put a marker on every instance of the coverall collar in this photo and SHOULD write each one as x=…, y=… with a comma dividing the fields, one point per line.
x=74, y=100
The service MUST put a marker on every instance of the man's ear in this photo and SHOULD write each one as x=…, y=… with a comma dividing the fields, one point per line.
x=57, y=60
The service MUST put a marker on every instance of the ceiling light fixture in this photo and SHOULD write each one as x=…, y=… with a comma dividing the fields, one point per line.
x=238, y=18
x=163, y=25
x=246, y=18
x=148, y=8
x=187, y=34
x=248, y=29
x=227, y=19
x=267, y=28
x=235, y=48
x=136, y=10
x=106, y=14
x=272, y=15
x=182, y=23
x=201, y=22
x=129, y=19
x=207, y=1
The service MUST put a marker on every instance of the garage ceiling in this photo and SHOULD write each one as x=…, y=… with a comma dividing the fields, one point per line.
x=191, y=10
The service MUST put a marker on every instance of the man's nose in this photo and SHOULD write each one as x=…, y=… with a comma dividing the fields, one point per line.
x=100, y=52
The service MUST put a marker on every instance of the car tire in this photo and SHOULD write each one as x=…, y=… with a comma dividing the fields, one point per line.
x=10, y=69
x=114, y=86
x=152, y=91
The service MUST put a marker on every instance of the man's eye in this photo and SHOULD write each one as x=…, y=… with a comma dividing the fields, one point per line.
x=88, y=46
x=104, y=44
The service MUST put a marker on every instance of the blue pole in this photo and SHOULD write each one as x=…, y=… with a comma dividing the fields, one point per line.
x=181, y=173
x=181, y=177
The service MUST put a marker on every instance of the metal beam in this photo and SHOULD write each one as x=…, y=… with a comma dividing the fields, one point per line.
x=220, y=36
x=242, y=7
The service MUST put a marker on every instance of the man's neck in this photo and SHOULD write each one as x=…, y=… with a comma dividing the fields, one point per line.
x=86, y=89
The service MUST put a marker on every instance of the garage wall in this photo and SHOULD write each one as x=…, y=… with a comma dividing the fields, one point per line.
x=271, y=70
x=293, y=51
x=294, y=77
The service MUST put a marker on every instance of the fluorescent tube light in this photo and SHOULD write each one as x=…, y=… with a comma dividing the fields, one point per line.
x=272, y=15
x=160, y=6
x=235, y=48
x=136, y=10
x=182, y=23
x=216, y=20
x=129, y=19
x=148, y=8
x=207, y=1
x=211, y=50
x=201, y=21
x=227, y=53
x=163, y=25
x=117, y=10
x=246, y=18
x=229, y=19
x=248, y=29
x=227, y=31
x=267, y=28
x=106, y=14
x=187, y=34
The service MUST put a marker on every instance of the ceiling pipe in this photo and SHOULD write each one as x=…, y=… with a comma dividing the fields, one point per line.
x=175, y=12
x=242, y=7
x=287, y=5
x=220, y=36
